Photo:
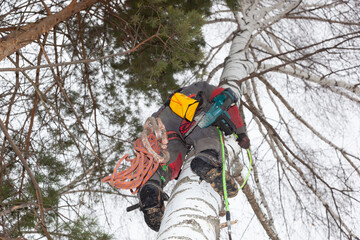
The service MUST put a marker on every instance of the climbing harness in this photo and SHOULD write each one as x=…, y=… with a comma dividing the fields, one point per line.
x=150, y=152
x=228, y=222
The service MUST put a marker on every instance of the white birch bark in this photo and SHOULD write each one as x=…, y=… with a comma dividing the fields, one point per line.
x=192, y=211
x=237, y=65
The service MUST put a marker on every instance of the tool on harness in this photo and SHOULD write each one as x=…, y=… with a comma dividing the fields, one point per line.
x=216, y=113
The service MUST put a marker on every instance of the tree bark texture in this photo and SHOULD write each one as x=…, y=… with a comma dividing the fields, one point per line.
x=237, y=66
x=192, y=211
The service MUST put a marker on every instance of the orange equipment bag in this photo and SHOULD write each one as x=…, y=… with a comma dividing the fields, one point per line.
x=183, y=105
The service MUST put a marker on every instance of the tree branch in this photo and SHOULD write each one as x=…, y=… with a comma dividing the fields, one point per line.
x=16, y=40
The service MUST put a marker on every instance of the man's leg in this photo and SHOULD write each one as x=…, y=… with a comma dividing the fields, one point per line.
x=152, y=203
x=151, y=195
x=207, y=163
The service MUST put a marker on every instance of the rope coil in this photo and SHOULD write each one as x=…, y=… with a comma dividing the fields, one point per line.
x=151, y=150
x=156, y=126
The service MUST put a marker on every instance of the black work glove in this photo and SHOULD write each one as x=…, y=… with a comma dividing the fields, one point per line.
x=243, y=140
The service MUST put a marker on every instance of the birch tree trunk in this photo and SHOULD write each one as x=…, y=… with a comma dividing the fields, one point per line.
x=237, y=65
x=192, y=211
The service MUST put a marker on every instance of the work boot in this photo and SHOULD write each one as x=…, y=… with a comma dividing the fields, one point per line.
x=211, y=173
x=152, y=204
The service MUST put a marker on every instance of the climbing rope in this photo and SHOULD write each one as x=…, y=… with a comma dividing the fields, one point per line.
x=248, y=173
x=228, y=222
x=150, y=151
x=250, y=163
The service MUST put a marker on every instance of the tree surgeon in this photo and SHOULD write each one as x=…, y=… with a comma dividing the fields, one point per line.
x=192, y=116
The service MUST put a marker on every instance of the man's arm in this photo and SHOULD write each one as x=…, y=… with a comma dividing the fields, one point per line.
x=234, y=114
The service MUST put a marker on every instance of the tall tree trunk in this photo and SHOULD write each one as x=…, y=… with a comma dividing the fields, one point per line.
x=192, y=211
x=237, y=64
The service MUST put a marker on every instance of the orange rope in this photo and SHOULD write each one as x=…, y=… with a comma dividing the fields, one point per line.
x=144, y=165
